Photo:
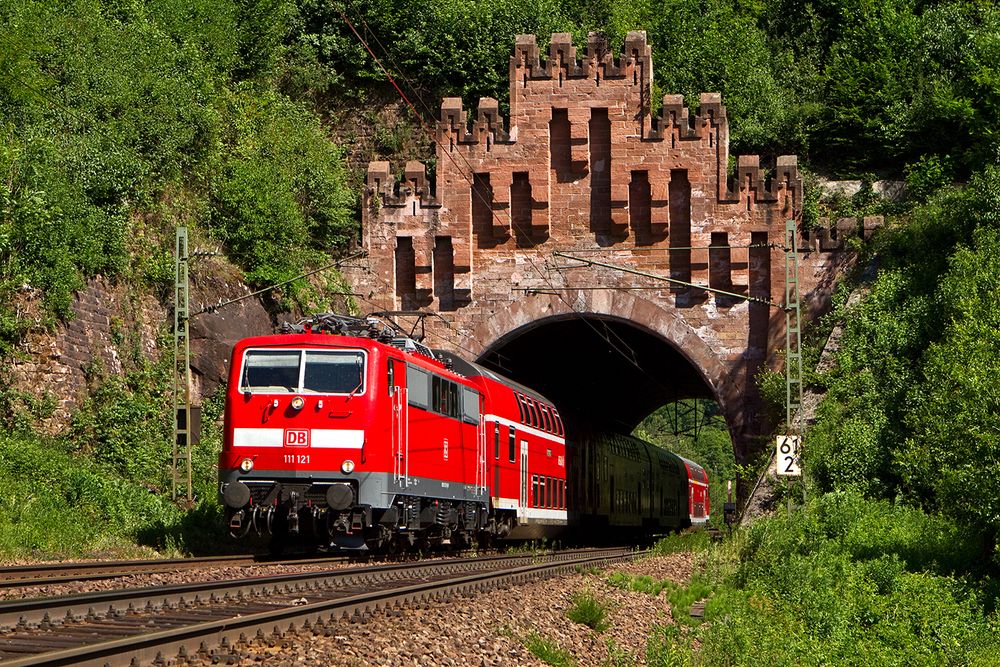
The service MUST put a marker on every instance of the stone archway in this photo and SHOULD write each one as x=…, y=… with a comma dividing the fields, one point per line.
x=656, y=353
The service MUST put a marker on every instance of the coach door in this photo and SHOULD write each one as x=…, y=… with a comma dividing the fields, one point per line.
x=522, y=509
x=400, y=422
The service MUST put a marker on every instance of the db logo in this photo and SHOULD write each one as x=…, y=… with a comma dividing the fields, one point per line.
x=296, y=438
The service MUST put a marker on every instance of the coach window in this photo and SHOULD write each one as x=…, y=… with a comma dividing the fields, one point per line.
x=513, y=443
x=534, y=490
x=533, y=413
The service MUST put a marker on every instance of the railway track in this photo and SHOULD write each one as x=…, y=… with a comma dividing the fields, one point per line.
x=61, y=573
x=153, y=625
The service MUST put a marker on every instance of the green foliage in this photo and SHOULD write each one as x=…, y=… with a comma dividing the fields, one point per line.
x=635, y=582
x=845, y=581
x=58, y=504
x=120, y=120
x=910, y=406
x=547, y=650
x=587, y=609
x=282, y=200
x=667, y=647
x=125, y=425
x=439, y=47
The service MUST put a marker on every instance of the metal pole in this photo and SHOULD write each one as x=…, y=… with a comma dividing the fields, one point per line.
x=793, y=338
x=181, y=479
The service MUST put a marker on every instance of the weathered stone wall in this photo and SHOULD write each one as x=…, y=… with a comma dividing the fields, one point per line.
x=107, y=323
x=114, y=327
x=583, y=167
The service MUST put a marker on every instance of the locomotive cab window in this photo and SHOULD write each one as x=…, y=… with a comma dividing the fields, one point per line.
x=333, y=373
x=309, y=371
x=270, y=371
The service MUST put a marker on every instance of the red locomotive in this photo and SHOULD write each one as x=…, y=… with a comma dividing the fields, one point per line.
x=348, y=434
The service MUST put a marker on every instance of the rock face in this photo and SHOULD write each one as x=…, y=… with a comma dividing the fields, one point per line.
x=109, y=327
x=585, y=168
x=112, y=328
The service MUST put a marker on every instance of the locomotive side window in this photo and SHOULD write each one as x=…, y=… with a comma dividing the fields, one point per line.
x=512, y=432
x=470, y=405
x=496, y=440
x=453, y=407
x=418, y=387
x=271, y=370
x=334, y=373
x=444, y=397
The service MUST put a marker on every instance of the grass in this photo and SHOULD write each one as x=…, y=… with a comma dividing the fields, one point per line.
x=588, y=610
x=690, y=540
x=681, y=597
x=58, y=504
x=547, y=650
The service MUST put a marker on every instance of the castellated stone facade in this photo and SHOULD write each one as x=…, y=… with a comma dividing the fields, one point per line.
x=583, y=167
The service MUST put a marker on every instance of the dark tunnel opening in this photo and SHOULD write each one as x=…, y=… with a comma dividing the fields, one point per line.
x=603, y=374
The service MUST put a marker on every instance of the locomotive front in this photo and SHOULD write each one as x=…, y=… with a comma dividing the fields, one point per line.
x=299, y=411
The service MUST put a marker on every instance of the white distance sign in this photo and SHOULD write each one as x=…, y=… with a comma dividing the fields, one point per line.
x=787, y=456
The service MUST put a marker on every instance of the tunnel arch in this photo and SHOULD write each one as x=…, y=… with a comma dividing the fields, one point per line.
x=561, y=325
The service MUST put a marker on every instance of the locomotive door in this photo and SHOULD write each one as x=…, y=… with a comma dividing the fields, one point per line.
x=400, y=422
x=522, y=508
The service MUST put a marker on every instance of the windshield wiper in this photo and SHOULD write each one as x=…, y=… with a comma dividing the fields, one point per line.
x=355, y=390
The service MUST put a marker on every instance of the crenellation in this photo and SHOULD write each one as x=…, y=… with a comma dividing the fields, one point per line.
x=584, y=166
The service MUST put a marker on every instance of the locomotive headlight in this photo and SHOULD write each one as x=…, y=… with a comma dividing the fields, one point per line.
x=347, y=467
x=246, y=465
x=298, y=402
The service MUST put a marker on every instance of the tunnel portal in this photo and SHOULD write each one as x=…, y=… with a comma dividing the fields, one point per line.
x=602, y=373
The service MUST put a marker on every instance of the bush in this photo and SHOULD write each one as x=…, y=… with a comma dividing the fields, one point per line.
x=849, y=581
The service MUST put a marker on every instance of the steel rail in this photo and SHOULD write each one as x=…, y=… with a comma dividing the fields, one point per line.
x=27, y=612
x=42, y=574
x=195, y=637
x=195, y=633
